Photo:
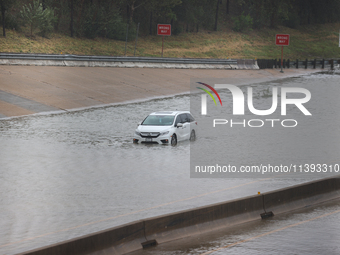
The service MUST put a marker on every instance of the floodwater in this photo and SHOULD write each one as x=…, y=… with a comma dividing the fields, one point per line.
x=67, y=175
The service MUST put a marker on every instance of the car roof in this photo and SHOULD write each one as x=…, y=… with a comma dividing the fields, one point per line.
x=173, y=113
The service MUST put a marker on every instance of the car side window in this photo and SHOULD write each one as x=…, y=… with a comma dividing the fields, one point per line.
x=184, y=118
x=189, y=116
x=178, y=120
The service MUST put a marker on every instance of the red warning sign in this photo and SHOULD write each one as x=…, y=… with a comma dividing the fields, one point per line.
x=282, y=40
x=163, y=29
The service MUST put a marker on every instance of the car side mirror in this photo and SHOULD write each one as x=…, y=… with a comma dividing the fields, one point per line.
x=179, y=125
x=139, y=124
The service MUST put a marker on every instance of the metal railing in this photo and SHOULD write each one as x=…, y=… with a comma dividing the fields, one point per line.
x=262, y=63
x=314, y=63
x=66, y=57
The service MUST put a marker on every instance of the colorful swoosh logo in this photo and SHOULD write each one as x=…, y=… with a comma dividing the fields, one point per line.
x=208, y=92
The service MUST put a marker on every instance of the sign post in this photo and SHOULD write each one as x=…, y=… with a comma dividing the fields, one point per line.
x=282, y=40
x=163, y=29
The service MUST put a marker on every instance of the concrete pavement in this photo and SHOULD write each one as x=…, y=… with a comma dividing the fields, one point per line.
x=27, y=90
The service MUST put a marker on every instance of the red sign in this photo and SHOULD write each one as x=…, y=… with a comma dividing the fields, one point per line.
x=282, y=40
x=163, y=29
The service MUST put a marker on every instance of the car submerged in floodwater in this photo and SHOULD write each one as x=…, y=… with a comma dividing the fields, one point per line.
x=168, y=127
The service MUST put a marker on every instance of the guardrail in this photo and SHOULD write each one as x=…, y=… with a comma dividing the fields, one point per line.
x=67, y=57
x=56, y=59
x=314, y=63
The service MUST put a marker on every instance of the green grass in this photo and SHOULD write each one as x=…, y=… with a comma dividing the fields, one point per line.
x=318, y=41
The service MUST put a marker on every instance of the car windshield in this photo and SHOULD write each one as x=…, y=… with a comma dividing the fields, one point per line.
x=158, y=120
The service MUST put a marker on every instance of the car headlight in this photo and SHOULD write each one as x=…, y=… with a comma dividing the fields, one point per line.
x=137, y=133
x=164, y=133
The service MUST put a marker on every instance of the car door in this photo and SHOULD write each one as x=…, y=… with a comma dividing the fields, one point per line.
x=186, y=126
x=192, y=123
x=180, y=131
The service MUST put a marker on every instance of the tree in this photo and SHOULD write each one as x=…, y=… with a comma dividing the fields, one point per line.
x=132, y=5
x=35, y=15
x=267, y=12
x=195, y=14
x=3, y=12
x=216, y=16
x=71, y=22
x=5, y=5
x=158, y=8
x=162, y=11
x=46, y=21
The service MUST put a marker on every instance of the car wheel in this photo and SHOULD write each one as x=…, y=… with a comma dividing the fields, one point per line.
x=192, y=135
x=173, y=140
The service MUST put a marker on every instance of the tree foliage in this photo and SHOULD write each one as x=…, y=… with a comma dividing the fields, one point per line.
x=5, y=5
x=37, y=17
x=109, y=18
x=243, y=23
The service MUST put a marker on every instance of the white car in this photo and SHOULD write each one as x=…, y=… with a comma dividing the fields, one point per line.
x=167, y=127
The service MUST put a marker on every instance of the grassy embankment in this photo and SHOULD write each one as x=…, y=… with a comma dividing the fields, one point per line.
x=317, y=41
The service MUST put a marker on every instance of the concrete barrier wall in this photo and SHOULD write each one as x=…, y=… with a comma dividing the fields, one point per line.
x=299, y=196
x=134, y=236
x=247, y=64
x=178, y=225
x=118, y=240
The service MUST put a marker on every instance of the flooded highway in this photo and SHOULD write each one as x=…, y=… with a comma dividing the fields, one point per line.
x=70, y=174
